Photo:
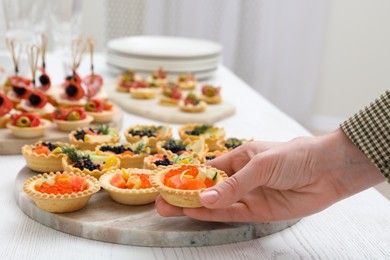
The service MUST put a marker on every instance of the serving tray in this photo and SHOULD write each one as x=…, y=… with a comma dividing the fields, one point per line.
x=170, y=114
x=9, y=144
x=105, y=220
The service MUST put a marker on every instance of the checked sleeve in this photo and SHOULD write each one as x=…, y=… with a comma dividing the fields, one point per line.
x=369, y=130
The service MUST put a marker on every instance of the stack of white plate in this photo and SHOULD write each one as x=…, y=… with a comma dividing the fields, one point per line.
x=175, y=55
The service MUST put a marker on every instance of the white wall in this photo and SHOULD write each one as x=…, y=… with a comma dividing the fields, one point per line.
x=356, y=60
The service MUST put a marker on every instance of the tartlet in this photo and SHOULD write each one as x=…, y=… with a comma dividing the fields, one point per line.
x=171, y=146
x=44, y=160
x=90, y=163
x=171, y=95
x=60, y=203
x=180, y=197
x=155, y=161
x=130, y=155
x=186, y=81
x=211, y=95
x=71, y=119
x=154, y=134
x=125, y=194
x=143, y=93
x=29, y=131
x=90, y=138
x=127, y=81
x=100, y=110
x=213, y=135
x=192, y=104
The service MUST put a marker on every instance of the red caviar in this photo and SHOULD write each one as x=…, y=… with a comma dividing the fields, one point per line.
x=62, y=184
x=131, y=181
x=188, y=181
x=42, y=149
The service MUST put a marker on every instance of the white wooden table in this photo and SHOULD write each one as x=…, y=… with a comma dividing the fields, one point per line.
x=355, y=228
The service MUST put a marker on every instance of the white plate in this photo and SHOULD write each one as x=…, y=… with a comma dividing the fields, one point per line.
x=200, y=75
x=164, y=46
x=148, y=64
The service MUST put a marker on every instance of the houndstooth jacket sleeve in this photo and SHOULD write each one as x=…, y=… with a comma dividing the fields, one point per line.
x=369, y=129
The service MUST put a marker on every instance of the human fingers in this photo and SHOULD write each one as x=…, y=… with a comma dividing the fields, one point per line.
x=167, y=210
x=234, y=160
x=255, y=173
x=237, y=212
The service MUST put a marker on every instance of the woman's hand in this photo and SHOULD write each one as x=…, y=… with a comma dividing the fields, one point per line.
x=282, y=181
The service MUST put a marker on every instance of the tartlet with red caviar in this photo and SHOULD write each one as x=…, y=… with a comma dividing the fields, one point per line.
x=27, y=125
x=71, y=119
x=44, y=156
x=61, y=192
x=129, y=186
x=180, y=185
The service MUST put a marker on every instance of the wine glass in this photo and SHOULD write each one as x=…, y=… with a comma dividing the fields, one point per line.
x=65, y=18
x=23, y=19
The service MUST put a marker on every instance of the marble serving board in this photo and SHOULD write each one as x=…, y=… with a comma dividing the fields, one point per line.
x=10, y=144
x=105, y=220
x=150, y=108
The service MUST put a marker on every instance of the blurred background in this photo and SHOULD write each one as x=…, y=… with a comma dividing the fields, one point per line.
x=318, y=61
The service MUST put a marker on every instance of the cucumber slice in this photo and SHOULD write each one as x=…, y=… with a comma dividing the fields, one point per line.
x=207, y=173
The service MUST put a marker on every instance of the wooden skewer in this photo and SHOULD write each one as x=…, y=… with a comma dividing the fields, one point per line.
x=91, y=47
x=15, y=49
x=78, y=51
x=32, y=56
x=42, y=37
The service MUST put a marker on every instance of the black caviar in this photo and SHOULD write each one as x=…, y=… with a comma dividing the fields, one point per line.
x=115, y=149
x=49, y=145
x=174, y=146
x=233, y=143
x=143, y=132
x=164, y=162
x=210, y=157
x=86, y=163
x=198, y=130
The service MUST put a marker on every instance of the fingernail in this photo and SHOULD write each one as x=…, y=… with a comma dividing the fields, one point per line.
x=209, y=196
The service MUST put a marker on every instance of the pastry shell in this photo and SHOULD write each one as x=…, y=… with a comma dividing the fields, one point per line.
x=43, y=162
x=190, y=108
x=68, y=167
x=167, y=101
x=192, y=146
x=177, y=197
x=29, y=132
x=68, y=126
x=61, y=203
x=89, y=145
x=212, y=142
x=151, y=166
x=152, y=140
x=105, y=116
x=143, y=93
x=127, y=160
x=211, y=100
x=128, y=196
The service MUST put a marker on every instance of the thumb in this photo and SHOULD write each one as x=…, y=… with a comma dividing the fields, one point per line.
x=251, y=176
